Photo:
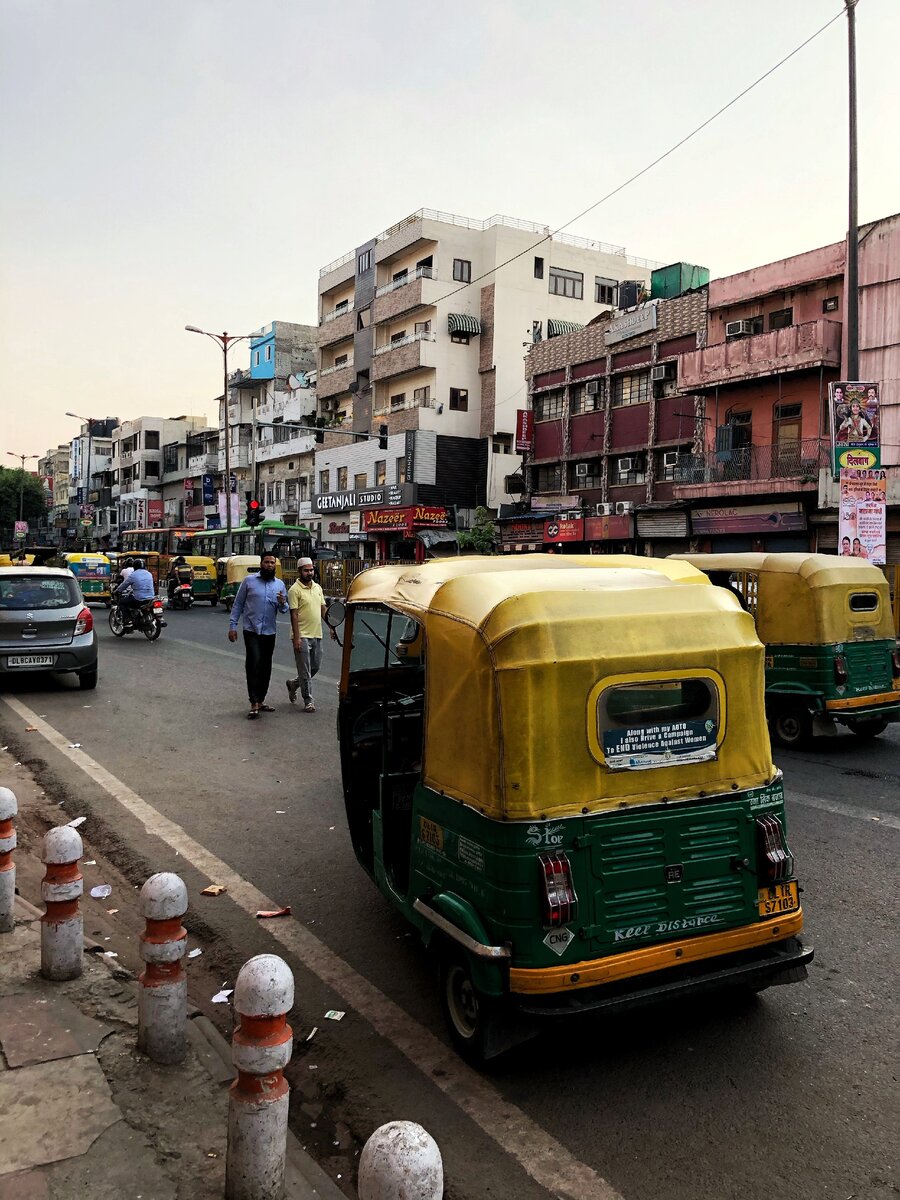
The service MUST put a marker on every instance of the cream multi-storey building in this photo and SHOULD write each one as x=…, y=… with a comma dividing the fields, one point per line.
x=424, y=327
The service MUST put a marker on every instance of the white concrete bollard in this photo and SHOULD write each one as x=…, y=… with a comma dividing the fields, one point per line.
x=62, y=926
x=258, y=1098
x=401, y=1161
x=162, y=1000
x=8, y=809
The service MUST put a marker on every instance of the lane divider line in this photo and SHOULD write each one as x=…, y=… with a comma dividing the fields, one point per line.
x=236, y=657
x=545, y=1159
x=844, y=810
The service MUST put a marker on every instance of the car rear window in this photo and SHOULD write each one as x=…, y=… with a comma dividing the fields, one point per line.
x=38, y=591
x=863, y=601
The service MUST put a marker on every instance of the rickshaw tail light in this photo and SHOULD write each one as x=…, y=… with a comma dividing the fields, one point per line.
x=841, y=673
x=84, y=622
x=560, y=901
x=774, y=858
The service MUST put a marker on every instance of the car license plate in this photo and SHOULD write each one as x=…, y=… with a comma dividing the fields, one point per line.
x=781, y=898
x=30, y=660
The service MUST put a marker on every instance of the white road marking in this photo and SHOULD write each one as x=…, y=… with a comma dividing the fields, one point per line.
x=545, y=1159
x=238, y=657
x=844, y=810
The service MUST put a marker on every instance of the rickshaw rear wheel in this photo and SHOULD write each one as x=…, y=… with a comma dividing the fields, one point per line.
x=473, y=1019
x=791, y=726
x=868, y=729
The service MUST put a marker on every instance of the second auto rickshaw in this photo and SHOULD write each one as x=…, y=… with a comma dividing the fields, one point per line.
x=613, y=831
x=93, y=572
x=232, y=572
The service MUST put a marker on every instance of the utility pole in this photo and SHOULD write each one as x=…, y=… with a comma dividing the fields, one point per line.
x=851, y=298
x=22, y=458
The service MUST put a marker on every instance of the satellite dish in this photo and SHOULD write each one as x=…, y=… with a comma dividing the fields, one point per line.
x=298, y=381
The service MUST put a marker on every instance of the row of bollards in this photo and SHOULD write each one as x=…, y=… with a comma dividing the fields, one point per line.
x=400, y=1161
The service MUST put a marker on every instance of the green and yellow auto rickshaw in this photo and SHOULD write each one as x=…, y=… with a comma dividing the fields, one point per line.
x=234, y=570
x=206, y=585
x=94, y=575
x=561, y=776
x=831, y=652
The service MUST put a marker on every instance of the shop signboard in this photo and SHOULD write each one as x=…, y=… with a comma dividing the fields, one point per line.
x=193, y=516
x=641, y=320
x=617, y=528
x=416, y=516
x=524, y=430
x=749, y=518
x=862, y=516
x=21, y=531
x=390, y=495
x=208, y=490
x=855, y=425
x=522, y=531
x=155, y=512
x=564, y=529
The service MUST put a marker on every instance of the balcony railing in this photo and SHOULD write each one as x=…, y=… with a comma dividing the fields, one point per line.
x=781, y=460
x=326, y=371
x=421, y=336
x=795, y=348
x=409, y=277
x=337, y=312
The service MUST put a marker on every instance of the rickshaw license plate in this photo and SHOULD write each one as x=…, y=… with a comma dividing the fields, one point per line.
x=781, y=898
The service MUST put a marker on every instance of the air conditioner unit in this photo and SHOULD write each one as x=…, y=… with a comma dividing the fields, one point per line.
x=581, y=470
x=592, y=387
x=670, y=458
x=736, y=329
x=624, y=465
x=623, y=507
x=662, y=372
x=575, y=515
x=603, y=510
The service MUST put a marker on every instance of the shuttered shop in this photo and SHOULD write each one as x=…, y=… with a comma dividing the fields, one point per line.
x=662, y=525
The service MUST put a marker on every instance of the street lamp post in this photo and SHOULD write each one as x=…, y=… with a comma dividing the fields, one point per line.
x=89, y=421
x=223, y=341
x=22, y=458
x=851, y=299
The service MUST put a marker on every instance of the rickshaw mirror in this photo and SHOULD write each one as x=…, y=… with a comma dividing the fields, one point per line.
x=335, y=614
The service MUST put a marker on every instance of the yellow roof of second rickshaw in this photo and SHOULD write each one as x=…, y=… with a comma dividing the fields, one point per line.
x=515, y=650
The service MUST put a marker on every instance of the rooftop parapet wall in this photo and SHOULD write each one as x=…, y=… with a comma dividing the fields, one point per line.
x=800, y=270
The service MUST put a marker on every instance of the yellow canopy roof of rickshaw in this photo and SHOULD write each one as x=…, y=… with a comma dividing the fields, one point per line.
x=514, y=651
x=804, y=599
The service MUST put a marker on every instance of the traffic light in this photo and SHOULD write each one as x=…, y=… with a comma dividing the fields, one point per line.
x=382, y=437
x=255, y=513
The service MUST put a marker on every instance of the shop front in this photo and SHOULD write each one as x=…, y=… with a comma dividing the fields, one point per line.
x=663, y=532
x=609, y=535
x=393, y=531
x=729, y=529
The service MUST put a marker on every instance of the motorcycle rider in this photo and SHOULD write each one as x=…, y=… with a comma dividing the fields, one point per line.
x=136, y=590
x=179, y=572
x=126, y=569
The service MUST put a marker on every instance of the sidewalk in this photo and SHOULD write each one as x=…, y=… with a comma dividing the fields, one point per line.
x=83, y=1115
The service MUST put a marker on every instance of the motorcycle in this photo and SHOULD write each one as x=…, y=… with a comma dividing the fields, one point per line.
x=182, y=596
x=148, y=619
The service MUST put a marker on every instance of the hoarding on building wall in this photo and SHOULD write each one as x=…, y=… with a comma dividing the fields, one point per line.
x=524, y=532
x=855, y=426
x=193, y=515
x=564, y=529
x=609, y=529
x=155, y=511
x=235, y=510
x=524, y=430
x=642, y=320
x=862, y=516
x=208, y=489
x=405, y=520
x=749, y=518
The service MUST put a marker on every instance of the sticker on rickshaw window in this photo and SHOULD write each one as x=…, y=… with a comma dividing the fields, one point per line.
x=658, y=722
x=431, y=834
x=660, y=745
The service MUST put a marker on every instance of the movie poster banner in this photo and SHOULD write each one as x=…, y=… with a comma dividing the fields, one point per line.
x=862, y=529
x=855, y=426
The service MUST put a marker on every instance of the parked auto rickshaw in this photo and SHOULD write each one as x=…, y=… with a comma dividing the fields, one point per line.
x=234, y=571
x=826, y=622
x=561, y=776
x=206, y=584
x=94, y=575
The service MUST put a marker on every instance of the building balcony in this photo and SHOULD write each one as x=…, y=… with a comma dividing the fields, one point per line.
x=333, y=380
x=797, y=348
x=336, y=327
x=408, y=354
x=419, y=289
x=299, y=443
x=752, y=470
x=203, y=463
x=239, y=455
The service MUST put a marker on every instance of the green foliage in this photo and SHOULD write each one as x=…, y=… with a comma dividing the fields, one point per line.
x=34, y=507
x=481, y=537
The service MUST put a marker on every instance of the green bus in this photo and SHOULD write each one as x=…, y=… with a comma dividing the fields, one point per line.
x=288, y=542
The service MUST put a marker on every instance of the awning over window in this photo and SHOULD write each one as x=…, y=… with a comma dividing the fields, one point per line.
x=557, y=328
x=463, y=323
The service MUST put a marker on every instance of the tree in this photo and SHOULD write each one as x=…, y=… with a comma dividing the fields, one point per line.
x=481, y=537
x=34, y=507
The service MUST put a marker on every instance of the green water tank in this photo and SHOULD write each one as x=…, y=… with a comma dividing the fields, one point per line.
x=676, y=279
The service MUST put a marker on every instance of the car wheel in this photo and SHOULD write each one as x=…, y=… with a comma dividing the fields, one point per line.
x=868, y=729
x=472, y=1018
x=791, y=726
x=117, y=621
x=88, y=679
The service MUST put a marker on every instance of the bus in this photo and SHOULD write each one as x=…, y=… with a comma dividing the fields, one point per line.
x=288, y=542
x=171, y=541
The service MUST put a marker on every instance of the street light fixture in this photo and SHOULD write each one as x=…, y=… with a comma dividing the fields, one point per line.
x=223, y=341
x=89, y=421
x=22, y=458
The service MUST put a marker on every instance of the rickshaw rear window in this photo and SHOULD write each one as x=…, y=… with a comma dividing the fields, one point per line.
x=863, y=601
x=658, y=723
x=630, y=705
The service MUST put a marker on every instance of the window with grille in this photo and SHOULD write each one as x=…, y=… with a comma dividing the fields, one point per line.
x=548, y=407
x=585, y=479
x=630, y=389
x=583, y=401
x=547, y=478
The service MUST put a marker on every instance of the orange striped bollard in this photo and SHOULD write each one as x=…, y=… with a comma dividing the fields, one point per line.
x=258, y=1098
x=162, y=1000
x=62, y=926
x=8, y=809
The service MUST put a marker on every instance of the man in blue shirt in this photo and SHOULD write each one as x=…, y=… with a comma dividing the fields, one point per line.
x=136, y=589
x=259, y=600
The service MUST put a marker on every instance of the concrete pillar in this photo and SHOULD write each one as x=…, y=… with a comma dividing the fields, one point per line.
x=400, y=1161
x=162, y=1000
x=8, y=809
x=62, y=927
x=258, y=1098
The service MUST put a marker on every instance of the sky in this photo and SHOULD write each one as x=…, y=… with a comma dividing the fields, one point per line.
x=197, y=161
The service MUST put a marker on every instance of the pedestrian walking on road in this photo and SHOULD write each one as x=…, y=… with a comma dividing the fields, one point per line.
x=259, y=600
x=307, y=605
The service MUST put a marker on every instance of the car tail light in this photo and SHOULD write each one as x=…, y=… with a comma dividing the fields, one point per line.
x=774, y=859
x=895, y=662
x=84, y=622
x=841, y=673
x=559, y=896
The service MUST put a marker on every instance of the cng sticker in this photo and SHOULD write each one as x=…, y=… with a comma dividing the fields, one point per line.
x=558, y=940
x=431, y=834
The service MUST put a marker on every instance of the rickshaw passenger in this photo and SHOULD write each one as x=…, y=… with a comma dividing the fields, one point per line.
x=723, y=579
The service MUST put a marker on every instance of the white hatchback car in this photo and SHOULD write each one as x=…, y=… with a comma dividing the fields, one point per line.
x=45, y=624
